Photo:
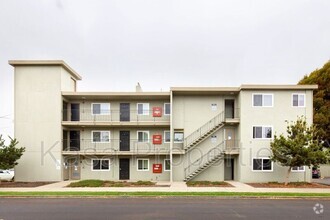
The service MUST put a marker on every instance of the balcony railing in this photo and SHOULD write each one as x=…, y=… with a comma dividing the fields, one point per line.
x=117, y=116
x=114, y=146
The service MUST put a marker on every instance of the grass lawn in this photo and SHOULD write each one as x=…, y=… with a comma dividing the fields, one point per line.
x=102, y=183
x=208, y=184
x=164, y=194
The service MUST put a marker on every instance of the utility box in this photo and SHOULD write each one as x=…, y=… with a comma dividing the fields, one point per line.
x=157, y=139
x=157, y=168
x=157, y=111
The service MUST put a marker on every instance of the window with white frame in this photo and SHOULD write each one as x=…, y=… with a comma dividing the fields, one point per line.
x=100, y=108
x=262, y=100
x=143, y=136
x=178, y=136
x=298, y=169
x=101, y=136
x=262, y=132
x=167, y=165
x=167, y=136
x=262, y=164
x=100, y=164
x=142, y=164
x=167, y=108
x=298, y=100
x=143, y=108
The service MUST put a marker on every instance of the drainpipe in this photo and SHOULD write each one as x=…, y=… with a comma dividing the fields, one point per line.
x=171, y=136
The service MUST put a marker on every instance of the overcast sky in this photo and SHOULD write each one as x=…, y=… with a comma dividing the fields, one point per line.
x=164, y=43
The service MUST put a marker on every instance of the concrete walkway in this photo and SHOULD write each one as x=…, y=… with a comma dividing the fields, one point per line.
x=175, y=187
x=324, y=181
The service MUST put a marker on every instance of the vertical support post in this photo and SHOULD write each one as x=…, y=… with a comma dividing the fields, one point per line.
x=171, y=137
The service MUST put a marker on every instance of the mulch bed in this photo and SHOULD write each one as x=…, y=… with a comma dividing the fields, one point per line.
x=290, y=185
x=5, y=184
x=126, y=184
x=102, y=183
x=208, y=184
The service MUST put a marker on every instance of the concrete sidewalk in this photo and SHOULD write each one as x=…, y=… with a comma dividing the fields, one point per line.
x=175, y=187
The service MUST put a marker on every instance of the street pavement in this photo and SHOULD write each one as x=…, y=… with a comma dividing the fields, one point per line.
x=162, y=208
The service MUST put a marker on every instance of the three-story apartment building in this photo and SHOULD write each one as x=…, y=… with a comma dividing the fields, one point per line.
x=188, y=133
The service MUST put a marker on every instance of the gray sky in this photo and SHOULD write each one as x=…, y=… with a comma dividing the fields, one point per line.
x=163, y=43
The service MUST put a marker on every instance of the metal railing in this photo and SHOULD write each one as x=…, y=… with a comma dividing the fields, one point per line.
x=204, y=129
x=113, y=146
x=234, y=114
x=85, y=114
x=220, y=149
x=211, y=124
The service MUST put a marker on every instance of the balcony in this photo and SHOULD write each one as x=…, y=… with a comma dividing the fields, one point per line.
x=84, y=117
x=231, y=147
x=232, y=116
x=114, y=147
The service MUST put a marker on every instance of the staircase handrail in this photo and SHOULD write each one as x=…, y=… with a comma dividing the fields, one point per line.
x=216, y=120
x=220, y=150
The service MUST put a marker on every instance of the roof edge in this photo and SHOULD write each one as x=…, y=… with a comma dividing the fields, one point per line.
x=116, y=93
x=45, y=63
x=277, y=87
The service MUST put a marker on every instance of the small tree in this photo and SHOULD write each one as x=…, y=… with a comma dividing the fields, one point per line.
x=9, y=154
x=301, y=147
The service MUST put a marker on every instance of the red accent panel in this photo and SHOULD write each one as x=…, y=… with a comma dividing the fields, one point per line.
x=157, y=168
x=157, y=139
x=157, y=111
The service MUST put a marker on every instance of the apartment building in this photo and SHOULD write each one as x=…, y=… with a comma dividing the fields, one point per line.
x=188, y=133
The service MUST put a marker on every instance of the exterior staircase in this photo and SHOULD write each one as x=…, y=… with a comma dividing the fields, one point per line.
x=204, y=162
x=204, y=131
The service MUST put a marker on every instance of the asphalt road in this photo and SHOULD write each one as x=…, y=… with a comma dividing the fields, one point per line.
x=161, y=208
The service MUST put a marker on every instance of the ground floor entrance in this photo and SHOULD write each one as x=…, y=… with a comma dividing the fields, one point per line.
x=72, y=168
x=229, y=164
x=124, y=168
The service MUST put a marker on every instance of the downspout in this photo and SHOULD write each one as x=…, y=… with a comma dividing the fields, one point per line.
x=171, y=137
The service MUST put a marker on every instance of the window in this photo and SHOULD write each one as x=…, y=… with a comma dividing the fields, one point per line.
x=262, y=164
x=143, y=164
x=101, y=136
x=298, y=169
x=167, y=165
x=167, y=136
x=100, y=164
x=298, y=100
x=100, y=108
x=143, y=136
x=167, y=108
x=143, y=108
x=263, y=100
x=178, y=137
x=262, y=132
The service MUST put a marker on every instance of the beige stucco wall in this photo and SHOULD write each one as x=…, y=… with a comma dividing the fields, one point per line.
x=38, y=110
x=189, y=114
x=135, y=175
x=325, y=170
x=67, y=81
x=276, y=117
